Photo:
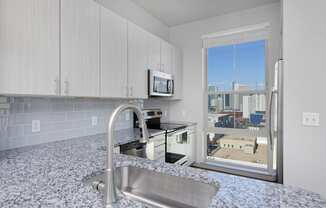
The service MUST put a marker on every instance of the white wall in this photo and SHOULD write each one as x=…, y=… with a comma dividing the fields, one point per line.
x=188, y=37
x=137, y=15
x=304, y=91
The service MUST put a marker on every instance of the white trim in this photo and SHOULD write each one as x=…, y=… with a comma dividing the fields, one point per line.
x=236, y=162
x=238, y=30
x=201, y=156
x=249, y=170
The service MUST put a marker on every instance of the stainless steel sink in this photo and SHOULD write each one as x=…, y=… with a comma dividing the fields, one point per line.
x=159, y=189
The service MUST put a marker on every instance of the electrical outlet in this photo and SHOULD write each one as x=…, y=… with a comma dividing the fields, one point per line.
x=310, y=119
x=36, y=126
x=94, y=120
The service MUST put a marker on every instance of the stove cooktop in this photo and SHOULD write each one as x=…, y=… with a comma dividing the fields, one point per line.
x=171, y=126
x=173, y=157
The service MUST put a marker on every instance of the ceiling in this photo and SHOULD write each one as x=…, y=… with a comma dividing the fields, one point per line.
x=176, y=12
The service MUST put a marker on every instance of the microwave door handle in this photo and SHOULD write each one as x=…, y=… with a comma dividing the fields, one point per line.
x=170, y=86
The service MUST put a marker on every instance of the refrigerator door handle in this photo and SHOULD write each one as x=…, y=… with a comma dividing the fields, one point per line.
x=271, y=104
x=271, y=135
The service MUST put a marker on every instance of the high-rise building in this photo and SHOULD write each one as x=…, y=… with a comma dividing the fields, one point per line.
x=246, y=103
x=237, y=95
x=240, y=87
x=252, y=104
x=212, y=89
x=219, y=107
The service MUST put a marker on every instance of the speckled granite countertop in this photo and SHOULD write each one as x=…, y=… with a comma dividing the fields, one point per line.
x=50, y=175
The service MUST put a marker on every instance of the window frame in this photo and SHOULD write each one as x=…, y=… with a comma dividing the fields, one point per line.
x=268, y=169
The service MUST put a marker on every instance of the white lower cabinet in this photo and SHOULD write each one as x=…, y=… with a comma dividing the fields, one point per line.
x=80, y=48
x=29, y=47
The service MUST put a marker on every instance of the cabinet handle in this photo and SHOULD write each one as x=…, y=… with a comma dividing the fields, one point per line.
x=56, y=86
x=66, y=89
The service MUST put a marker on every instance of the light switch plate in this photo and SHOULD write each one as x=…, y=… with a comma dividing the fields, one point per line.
x=94, y=120
x=36, y=126
x=310, y=119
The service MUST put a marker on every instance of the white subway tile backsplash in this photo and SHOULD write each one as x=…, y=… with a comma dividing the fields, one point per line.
x=17, y=119
x=81, y=124
x=60, y=118
x=15, y=131
x=57, y=117
x=62, y=107
x=76, y=133
x=17, y=108
x=71, y=116
x=16, y=141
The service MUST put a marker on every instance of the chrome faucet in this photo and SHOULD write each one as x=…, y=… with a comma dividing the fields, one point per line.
x=110, y=188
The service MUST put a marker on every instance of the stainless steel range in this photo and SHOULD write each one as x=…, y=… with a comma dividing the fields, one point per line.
x=173, y=132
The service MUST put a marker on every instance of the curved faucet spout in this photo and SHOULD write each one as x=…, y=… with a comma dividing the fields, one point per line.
x=110, y=189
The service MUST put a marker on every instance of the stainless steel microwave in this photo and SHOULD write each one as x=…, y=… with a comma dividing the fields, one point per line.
x=160, y=84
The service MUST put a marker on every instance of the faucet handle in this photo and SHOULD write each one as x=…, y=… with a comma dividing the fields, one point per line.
x=98, y=185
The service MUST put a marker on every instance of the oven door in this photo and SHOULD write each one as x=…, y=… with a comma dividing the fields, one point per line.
x=160, y=84
x=177, y=144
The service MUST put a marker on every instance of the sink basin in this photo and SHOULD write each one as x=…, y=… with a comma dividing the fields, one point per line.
x=159, y=189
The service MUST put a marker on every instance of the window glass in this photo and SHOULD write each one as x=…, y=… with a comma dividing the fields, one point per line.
x=237, y=100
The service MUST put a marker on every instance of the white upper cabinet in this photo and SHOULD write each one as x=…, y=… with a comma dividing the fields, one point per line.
x=80, y=21
x=154, y=52
x=113, y=55
x=29, y=47
x=166, y=57
x=137, y=61
x=78, y=48
x=177, y=73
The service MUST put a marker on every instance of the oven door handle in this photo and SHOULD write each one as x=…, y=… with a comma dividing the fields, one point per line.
x=177, y=132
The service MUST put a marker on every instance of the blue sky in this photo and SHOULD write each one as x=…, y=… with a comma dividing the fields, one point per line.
x=250, y=65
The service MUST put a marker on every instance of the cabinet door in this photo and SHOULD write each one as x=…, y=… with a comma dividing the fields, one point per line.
x=166, y=57
x=80, y=47
x=29, y=47
x=113, y=55
x=137, y=61
x=154, y=52
x=177, y=73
